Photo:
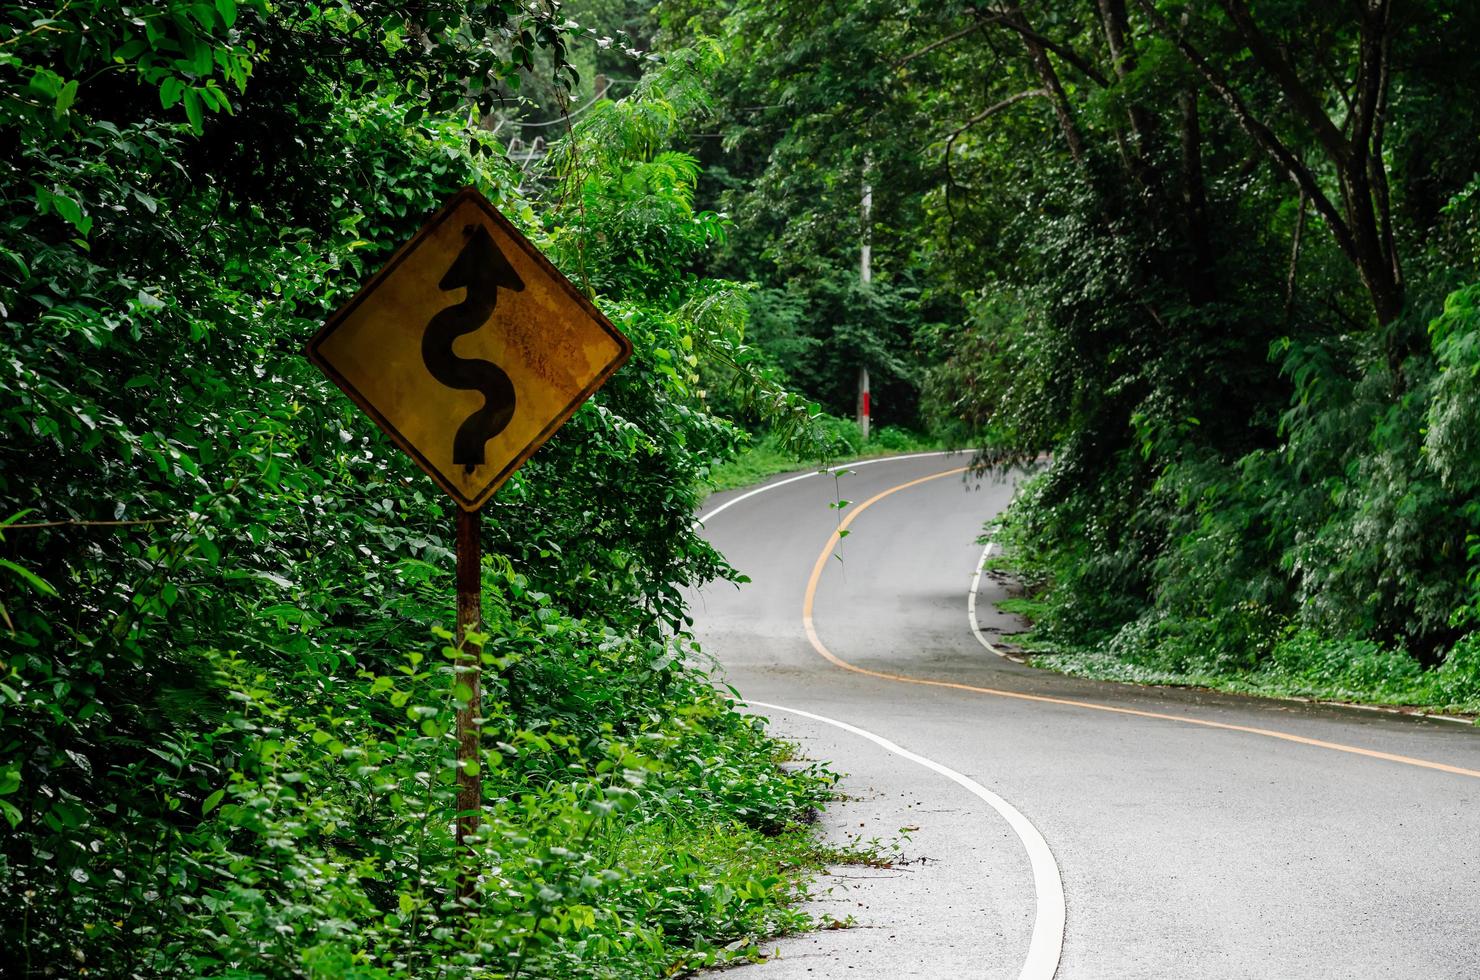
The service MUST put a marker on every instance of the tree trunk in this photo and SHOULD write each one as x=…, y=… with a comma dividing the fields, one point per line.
x=1202, y=284
x=1362, y=224
x=1038, y=55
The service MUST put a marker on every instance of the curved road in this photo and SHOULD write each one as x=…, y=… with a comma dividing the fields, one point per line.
x=1194, y=834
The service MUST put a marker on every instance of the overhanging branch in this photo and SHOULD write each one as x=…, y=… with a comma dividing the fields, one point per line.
x=992, y=110
x=940, y=43
x=1300, y=99
x=1013, y=20
x=1262, y=135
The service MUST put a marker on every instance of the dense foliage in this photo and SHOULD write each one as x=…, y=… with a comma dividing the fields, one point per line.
x=225, y=742
x=1216, y=257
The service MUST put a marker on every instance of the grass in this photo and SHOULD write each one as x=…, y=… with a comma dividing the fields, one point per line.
x=762, y=460
x=765, y=458
x=747, y=882
x=1293, y=663
x=1372, y=681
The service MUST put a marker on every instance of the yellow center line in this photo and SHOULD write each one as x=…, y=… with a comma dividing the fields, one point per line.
x=810, y=599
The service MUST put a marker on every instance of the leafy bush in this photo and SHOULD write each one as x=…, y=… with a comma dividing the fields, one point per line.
x=224, y=743
x=835, y=440
x=308, y=832
x=1343, y=666
x=893, y=439
x=1457, y=681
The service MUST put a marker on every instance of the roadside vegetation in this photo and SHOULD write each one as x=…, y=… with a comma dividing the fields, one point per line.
x=226, y=691
x=1294, y=662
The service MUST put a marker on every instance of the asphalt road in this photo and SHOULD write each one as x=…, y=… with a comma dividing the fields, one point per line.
x=1182, y=849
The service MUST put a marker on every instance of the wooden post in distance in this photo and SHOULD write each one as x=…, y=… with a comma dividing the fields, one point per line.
x=865, y=277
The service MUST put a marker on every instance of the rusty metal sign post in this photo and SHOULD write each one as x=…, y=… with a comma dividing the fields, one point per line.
x=469, y=350
x=469, y=671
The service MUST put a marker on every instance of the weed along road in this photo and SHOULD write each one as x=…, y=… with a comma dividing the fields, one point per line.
x=1050, y=826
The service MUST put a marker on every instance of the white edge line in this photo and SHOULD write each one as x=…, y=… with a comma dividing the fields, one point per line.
x=831, y=469
x=976, y=629
x=1047, y=942
x=993, y=648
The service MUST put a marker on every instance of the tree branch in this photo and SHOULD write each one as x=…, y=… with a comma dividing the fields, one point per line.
x=1377, y=129
x=1123, y=60
x=1261, y=134
x=992, y=110
x=1294, y=260
x=1300, y=99
x=942, y=42
x=1371, y=71
x=1203, y=280
x=34, y=525
x=986, y=113
x=1012, y=19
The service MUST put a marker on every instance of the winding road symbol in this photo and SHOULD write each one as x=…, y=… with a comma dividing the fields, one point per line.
x=481, y=269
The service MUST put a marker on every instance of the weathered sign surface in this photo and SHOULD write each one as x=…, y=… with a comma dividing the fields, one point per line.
x=469, y=348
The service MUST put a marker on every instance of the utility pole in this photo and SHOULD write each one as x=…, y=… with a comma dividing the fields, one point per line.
x=865, y=276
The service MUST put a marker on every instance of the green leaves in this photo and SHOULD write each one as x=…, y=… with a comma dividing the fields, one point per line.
x=210, y=802
x=65, y=97
x=27, y=576
x=61, y=202
x=193, y=109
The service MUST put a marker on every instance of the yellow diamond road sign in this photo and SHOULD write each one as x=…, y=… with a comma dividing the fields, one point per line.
x=469, y=348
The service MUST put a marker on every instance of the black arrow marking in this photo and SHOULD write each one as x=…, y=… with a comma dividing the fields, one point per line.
x=482, y=269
